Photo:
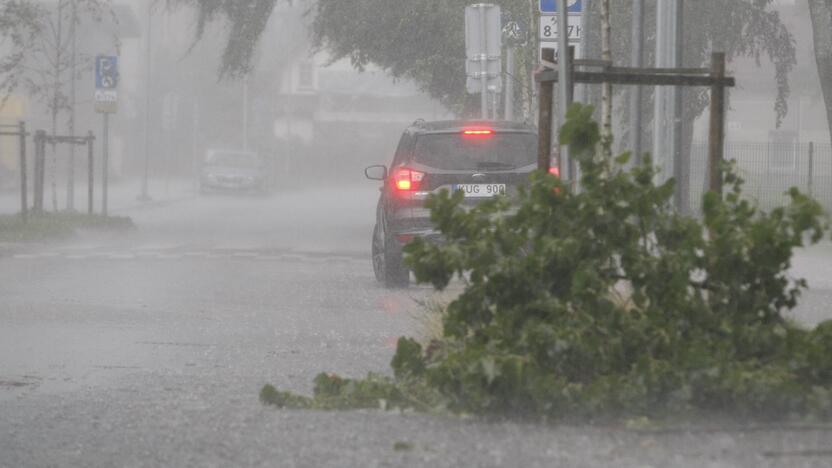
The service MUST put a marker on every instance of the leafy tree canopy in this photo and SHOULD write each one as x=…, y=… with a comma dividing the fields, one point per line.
x=423, y=40
x=247, y=19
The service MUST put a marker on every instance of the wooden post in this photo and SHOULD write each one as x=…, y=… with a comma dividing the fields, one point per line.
x=40, y=162
x=90, y=174
x=24, y=189
x=544, y=122
x=716, y=139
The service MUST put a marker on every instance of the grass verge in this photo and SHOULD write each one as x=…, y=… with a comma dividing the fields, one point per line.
x=50, y=226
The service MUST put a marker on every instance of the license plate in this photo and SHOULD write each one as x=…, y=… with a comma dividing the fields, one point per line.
x=481, y=190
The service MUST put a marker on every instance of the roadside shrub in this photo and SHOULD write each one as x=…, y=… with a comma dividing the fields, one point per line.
x=606, y=301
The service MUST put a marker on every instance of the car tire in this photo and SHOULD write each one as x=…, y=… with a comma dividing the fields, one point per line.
x=388, y=264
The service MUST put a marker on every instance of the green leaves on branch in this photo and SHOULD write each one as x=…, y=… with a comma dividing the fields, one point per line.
x=607, y=302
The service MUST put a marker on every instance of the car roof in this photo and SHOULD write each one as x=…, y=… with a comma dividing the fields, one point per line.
x=420, y=127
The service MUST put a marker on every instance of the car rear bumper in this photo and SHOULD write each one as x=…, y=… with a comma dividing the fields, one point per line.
x=429, y=235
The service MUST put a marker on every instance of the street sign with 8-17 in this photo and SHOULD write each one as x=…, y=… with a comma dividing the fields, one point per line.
x=549, y=28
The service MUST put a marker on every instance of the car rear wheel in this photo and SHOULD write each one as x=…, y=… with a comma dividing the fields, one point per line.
x=387, y=263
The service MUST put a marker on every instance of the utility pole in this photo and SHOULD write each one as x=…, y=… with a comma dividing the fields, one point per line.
x=145, y=196
x=636, y=93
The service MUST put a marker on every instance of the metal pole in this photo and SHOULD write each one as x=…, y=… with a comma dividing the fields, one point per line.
x=195, y=144
x=681, y=166
x=716, y=140
x=570, y=98
x=245, y=113
x=544, y=123
x=105, y=164
x=636, y=94
x=90, y=173
x=70, y=186
x=58, y=87
x=510, y=75
x=606, y=88
x=145, y=196
x=565, y=81
x=24, y=189
x=659, y=114
x=484, y=62
x=811, y=169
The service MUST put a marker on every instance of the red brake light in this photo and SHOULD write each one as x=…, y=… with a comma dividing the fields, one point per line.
x=407, y=179
x=478, y=132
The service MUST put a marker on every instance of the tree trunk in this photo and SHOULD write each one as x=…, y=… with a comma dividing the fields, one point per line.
x=821, y=13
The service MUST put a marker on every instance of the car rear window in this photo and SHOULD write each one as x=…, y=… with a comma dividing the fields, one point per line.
x=456, y=151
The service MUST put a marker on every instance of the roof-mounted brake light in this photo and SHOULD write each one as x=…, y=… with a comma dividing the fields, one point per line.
x=478, y=132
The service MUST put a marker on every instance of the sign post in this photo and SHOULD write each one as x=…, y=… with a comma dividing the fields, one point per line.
x=483, y=47
x=106, y=103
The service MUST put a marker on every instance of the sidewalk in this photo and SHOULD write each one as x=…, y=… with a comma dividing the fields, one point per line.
x=123, y=195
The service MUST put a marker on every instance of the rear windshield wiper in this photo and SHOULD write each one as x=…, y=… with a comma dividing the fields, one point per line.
x=495, y=165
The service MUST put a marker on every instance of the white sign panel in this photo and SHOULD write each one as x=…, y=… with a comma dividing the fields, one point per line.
x=549, y=28
x=106, y=101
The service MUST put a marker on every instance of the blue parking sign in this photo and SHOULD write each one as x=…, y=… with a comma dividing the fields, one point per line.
x=551, y=6
x=106, y=72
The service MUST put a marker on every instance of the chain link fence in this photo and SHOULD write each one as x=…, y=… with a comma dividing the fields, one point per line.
x=770, y=170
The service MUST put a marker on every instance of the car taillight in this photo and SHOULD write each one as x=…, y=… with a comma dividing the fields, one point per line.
x=478, y=133
x=407, y=179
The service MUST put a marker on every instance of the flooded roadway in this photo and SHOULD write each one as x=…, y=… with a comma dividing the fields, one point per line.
x=149, y=349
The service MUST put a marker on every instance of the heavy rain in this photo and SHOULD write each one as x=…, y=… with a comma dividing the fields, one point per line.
x=359, y=233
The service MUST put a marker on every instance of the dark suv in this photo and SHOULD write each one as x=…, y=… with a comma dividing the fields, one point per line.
x=483, y=159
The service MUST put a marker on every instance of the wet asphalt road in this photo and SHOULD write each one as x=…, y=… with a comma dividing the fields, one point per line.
x=149, y=349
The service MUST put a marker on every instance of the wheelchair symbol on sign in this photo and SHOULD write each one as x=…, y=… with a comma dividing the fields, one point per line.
x=106, y=73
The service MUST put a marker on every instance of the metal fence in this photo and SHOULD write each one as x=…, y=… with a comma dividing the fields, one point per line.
x=770, y=170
